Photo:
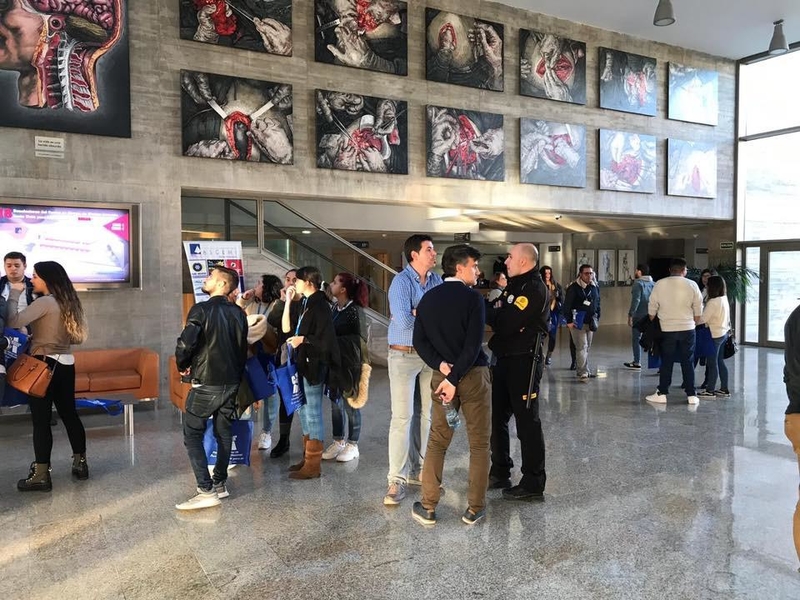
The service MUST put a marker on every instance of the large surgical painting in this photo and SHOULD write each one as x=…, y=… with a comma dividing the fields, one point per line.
x=693, y=94
x=367, y=34
x=552, y=67
x=691, y=169
x=627, y=162
x=463, y=50
x=361, y=133
x=245, y=24
x=236, y=119
x=552, y=153
x=465, y=144
x=627, y=82
x=64, y=66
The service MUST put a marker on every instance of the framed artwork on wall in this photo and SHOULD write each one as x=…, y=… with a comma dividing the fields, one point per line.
x=361, y=133
x=65, y=67
x=584, y=257
x=627, y=161
x=552, y=153
x=463, y=50
x=236, y=119
x=691, y=169
x=259, y=26
x=626, y=267
x=627, y=82
x=605, y=267
x=552, y=67
x=368, y=34
x=465, y=144
x=693, y=94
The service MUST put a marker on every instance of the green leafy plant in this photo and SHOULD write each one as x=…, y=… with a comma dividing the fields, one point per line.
x=739, y=280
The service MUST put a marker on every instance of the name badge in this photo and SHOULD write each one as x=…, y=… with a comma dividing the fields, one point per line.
x=511, y=298
x=587, y=303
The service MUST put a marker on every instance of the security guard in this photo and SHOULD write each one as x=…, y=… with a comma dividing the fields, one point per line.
x=517, y=318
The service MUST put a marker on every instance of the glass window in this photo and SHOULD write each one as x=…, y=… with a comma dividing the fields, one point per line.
x=752, y=260
x=768, y=94
x=784, y=290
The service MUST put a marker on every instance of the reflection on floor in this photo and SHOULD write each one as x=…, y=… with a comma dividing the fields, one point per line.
x=642, y=503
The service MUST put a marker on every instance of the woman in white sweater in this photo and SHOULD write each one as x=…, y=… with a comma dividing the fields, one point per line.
x=717, y=317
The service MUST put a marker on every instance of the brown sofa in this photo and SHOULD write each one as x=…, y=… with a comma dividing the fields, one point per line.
x=178, y=390
x=117, y=371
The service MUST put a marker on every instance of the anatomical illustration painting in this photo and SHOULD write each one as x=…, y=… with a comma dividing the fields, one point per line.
x=246, y=24
x=463, y=50
x=361, y=133
x=365, y=34
x=693, y=94
x=627, y=161
x=64, y=66
x=552, y=67
x=236, y=119
x=691, y=169
x=465, y=144
x=552, y=153
x=627, y=82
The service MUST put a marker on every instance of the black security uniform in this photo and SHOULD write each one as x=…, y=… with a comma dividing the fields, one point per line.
x=523, y=313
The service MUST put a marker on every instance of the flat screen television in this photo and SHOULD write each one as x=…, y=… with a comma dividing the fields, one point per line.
x=97, y=244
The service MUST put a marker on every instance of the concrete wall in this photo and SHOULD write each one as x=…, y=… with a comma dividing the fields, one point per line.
x=150, y=170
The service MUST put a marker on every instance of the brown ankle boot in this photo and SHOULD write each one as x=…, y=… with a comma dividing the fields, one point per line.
x=38, y=480
x=299, y=465
x=311, y=465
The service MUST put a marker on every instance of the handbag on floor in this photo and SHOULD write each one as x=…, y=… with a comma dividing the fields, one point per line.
x=30, y=375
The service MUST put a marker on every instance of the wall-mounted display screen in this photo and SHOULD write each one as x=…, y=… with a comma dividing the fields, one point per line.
x=97, y=244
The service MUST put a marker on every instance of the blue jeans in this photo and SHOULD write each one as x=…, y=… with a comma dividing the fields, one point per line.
x=717, y=366
x=677, y=345
x=269, y=411
x=338, y=411
x=637, y=349
x=311, y=412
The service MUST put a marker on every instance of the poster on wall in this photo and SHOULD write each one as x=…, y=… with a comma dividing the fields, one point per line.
x=463, y=50
x=626, y=267
x=552, y=153
x=627, y=161
x=552, y=67
x=627, y=82
x=691, y=169
x=368, y=34
x=584, y=257
x=693, y=94
x=605, y=267
x=236, y=119
x=260, y=26
x=465, y=144
x=64, y=67
x=202, y=256
x=361, y=133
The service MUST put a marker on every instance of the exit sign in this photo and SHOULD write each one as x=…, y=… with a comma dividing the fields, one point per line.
x=726, y=245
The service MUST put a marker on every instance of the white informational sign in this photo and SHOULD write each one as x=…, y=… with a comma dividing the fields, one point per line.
x=49, y=147
x=202, y=256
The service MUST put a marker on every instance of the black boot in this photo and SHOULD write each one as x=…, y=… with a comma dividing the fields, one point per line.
x=80, y=468
x=38, y=479
x=281, y=448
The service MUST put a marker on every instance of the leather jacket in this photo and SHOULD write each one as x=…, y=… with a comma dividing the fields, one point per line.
x=214, y=342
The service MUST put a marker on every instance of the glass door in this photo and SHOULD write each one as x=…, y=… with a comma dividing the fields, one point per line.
x=783, y=292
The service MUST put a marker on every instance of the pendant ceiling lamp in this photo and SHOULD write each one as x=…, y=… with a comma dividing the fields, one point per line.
x=665, y=14
x=778, y=45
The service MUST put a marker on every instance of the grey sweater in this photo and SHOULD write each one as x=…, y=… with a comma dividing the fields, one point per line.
x=49, y=335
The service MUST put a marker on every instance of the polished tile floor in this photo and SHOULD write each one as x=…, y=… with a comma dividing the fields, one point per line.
x=641, y=503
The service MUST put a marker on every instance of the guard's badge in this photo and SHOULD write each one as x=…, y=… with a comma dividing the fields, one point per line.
x=511, y=298
x=521, y=302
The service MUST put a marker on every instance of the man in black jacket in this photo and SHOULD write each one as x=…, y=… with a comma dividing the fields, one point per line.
x=518, y=317
x=582, y=312
x=448, y=336
x=791, y=376
x=212, y=350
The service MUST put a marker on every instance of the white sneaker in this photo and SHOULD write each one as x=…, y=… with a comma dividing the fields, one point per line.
x=333, y=450
x=203, y=499
x=657, y=398
x=349, y=452
x=265, y=440
x=693, y=400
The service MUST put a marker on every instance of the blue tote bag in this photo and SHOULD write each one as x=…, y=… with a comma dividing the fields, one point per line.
x=17, y=344
x=290, y=385
x=242, y=433
x=704, y=344
x=261, y=381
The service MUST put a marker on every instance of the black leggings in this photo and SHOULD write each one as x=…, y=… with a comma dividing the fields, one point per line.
x=60, y=392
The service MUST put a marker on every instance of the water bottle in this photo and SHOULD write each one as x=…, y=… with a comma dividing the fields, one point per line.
x=450, y=411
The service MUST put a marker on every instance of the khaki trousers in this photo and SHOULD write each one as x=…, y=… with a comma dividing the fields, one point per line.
x=473, y=400
x=791, y=427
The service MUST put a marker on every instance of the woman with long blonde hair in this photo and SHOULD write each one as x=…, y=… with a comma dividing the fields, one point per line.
x=57, y=321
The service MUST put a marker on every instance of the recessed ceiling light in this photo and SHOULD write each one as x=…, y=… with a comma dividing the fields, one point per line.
x=306, y=231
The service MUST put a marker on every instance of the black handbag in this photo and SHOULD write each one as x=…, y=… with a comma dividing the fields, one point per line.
x=730, y=347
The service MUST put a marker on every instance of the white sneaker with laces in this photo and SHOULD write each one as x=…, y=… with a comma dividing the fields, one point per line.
x=203, y=499
x=348, y=453
x=333, y=450
x=265, y=440
x=693, y=400
x=657, y=398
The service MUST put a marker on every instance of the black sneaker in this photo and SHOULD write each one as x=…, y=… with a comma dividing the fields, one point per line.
x=422, y=514
x=80, y=468
x=495, y=483
x=722, y=394
x=470, y=518
x=633, y=365
x=520, y=493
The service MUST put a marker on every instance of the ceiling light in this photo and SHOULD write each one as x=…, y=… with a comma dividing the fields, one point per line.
x=306, y=231
x=665, y=15
x=778, y=45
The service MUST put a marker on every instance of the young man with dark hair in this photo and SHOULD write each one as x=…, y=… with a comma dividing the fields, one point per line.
x=448, y=334
x=640, y=297
x=15, y=264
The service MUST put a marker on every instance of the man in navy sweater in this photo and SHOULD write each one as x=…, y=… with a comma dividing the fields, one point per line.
x=448, y=336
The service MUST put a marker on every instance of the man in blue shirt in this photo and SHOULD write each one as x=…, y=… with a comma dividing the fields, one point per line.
x=640, y=297
x=405, y=365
